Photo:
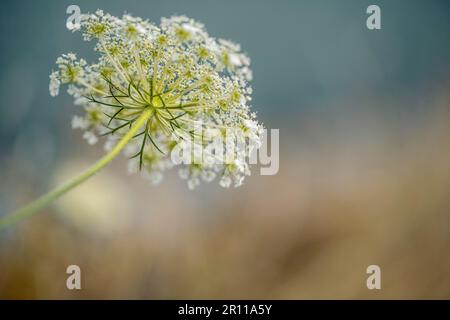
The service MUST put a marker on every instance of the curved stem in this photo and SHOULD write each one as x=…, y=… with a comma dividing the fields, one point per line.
x=47, y=198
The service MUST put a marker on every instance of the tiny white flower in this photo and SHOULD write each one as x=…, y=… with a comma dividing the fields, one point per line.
x=225, y=181
x=79, y=123
x=235, y=59
x=90, y=137
x=208, y=176
x=193, y=182
x=54, y=84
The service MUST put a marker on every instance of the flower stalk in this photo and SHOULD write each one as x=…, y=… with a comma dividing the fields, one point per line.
x=32, y=208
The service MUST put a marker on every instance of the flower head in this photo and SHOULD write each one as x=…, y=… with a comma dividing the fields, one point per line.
x=195, y=86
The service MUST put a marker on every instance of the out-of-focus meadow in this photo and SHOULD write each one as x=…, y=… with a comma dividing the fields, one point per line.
x=364, y=176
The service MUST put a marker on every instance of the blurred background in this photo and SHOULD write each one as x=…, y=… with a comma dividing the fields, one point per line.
x=364, y=119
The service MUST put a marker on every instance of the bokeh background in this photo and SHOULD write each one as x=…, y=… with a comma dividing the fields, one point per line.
x=364, y=119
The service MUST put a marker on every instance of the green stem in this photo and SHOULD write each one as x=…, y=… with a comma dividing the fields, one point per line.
x=47, y=198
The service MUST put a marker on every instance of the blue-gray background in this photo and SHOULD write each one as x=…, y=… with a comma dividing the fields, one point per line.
x=363, y=118
x=304, y=53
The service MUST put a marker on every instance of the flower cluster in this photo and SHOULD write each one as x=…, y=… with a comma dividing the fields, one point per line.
x=196, y=87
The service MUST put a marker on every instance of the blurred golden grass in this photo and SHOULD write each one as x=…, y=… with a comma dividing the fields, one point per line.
x=308, y=232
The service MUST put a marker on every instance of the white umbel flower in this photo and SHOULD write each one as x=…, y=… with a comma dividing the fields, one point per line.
x=187, y=79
